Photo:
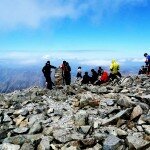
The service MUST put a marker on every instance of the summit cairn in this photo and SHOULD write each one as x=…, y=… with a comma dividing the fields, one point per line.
x=58, y=77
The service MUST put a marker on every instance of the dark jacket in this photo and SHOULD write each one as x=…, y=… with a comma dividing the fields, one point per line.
x=47, y=70
x=86, y=79
x=94, y=76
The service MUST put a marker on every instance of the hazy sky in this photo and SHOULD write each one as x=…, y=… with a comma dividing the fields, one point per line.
x=103, y=28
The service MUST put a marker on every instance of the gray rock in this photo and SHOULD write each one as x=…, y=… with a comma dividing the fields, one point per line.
x=35, y=118
x=85, y=129
x=146, y=118
x=125, y=101
x=146, y=128
x=135, y=142
x=8, y=146
x=27, y=146
x=140, y=129
x=62, y=135
x=85, y=98
x=146, y=98
x=111, y=143
x=36, y=128
x=110, y=102
x=127, y=82
x=102, y=89
x=18, y=120
x=21, y=130
x=3, y=133
x=44, y=144
x=96, y=147
x=6, y=118
x=77, y=136
x=48, y=131
x=24, y=112
x=36, y=138
x=137, y=111
x=81, y=118
x=17, y=140
x=116, y=117
x=100, y=136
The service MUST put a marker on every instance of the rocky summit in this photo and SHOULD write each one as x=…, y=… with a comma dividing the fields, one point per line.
x=113, y=116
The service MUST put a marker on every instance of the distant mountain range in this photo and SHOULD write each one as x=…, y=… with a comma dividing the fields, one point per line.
x=21, y=77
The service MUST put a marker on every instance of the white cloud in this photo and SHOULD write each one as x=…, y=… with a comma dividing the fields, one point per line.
x=95, y=62
x=84, y=58
x=138, y=60
x=32, y=13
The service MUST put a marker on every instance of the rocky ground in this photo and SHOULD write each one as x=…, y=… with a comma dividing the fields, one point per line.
x=113, y=116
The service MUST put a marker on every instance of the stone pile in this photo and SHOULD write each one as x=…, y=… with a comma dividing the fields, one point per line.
x=114, y=116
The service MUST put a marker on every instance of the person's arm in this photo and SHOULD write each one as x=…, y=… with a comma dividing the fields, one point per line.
x=111, y=67
x=53, y=67
x=43, y=70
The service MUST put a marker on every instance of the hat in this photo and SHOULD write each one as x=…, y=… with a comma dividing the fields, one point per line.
x=48, y=62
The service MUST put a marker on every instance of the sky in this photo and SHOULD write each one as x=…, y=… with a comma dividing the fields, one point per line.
x=90, y=31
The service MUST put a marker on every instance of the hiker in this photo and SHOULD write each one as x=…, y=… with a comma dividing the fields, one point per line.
x=100, y=70
x=67, y=73
x=147, y=62
x=86, y=79
x=47, y=74
x=79, y=73
x=142, y=70
x=63, y=66
x=103, y=78
x=94, y=76
x=114, y=68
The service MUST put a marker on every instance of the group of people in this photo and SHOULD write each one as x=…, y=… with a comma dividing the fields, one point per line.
x=145, y=69
x=102, y=76
x=66, y=73
x=96, y=78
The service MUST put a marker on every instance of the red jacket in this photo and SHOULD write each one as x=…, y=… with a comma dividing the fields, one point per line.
x=104, y=77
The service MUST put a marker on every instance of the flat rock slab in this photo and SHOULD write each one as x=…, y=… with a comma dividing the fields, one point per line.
x=137, y=111
x=137, y=143
x=115, y=117
x=111, y=143
x=8, y=146
x=21, y=130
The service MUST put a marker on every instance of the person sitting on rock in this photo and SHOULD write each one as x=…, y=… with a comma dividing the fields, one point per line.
x=86, y=79
x=114, y=68
x=94, y=76
x=47, y=74
x=142, y=70
x=103, y=78
x=100, y=70
x=147, y=62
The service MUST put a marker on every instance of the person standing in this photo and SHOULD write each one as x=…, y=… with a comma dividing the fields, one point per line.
x=47, y=74
x=67, y=74
x=79, y=73
x=63, y=67
x=147, y=62
x=114, y=68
